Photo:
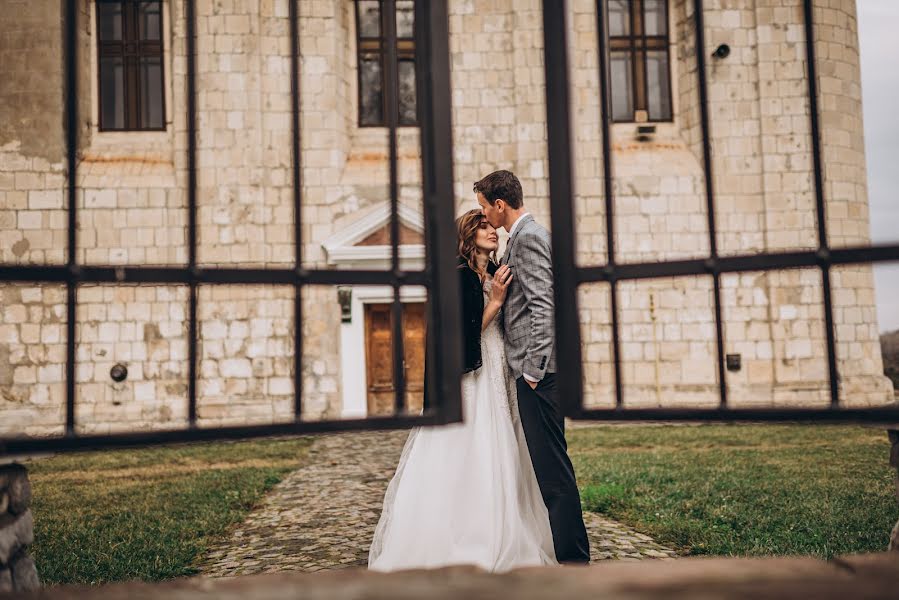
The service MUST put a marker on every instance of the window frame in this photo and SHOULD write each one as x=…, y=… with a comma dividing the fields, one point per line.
x=131, y=57
x=634, y=44
x=405, y=50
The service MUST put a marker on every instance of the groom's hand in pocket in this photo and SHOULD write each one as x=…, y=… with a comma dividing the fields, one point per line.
x=533, y=384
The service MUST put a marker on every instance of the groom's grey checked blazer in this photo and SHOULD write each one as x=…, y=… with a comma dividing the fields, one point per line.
x=528, y=319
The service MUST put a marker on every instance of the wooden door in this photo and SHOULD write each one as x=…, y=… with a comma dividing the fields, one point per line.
x=379, y=357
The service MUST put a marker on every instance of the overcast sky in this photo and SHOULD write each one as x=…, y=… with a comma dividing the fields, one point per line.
x=878, y=24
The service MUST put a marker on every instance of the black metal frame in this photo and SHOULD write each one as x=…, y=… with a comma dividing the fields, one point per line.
x=443, y=402
x=440, y=276
x=569, y=277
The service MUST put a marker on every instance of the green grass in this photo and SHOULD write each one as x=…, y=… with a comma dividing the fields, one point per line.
x=715, y=489
x=742, y=489
x=146, y=514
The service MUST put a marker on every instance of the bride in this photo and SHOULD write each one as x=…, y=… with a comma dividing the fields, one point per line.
x=466, y=493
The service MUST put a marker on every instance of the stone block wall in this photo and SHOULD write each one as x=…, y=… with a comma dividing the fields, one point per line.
x=143, y=328
x=32, y=359
x=764, y=200
x=132, y=206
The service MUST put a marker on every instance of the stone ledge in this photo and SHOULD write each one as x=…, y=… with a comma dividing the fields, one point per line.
x=862, y=576
x=16, y=533
x=15, y=487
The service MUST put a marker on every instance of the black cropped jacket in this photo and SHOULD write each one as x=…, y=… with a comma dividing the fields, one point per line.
x=472, y=297
x=471, y=290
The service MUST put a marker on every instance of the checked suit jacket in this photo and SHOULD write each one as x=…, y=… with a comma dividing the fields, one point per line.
x=528, y=313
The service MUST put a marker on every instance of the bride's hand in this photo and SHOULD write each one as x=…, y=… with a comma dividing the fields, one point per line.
x=501, y=280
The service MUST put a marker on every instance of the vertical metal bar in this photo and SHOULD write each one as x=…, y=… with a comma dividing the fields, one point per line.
x=423, y=86
x=72, y=124
x=561, y=193
x=191, y=35
x=391, y=108
x=293, y=15
x=444, y=351
x=608, y=191
x=820, y=208
x=712, y=262
x=391, y=114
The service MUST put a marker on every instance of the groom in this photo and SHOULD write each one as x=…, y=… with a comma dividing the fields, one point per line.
x=530, y=350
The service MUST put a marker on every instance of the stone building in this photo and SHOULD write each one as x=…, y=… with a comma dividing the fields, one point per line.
x=132, y=177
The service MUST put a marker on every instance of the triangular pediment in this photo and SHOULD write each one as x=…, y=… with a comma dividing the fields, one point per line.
x=381, y=237
x=367, y=239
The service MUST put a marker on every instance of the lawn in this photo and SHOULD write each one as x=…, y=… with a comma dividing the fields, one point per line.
x=741, y=490
x=147, y=514
x=714, y=489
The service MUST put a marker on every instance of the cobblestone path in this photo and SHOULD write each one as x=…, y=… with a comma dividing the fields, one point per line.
x=323, y=515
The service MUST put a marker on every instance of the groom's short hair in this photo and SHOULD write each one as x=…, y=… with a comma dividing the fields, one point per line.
x=501, y=185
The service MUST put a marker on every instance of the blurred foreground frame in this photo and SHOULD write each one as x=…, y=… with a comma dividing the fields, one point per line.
x=437, y=275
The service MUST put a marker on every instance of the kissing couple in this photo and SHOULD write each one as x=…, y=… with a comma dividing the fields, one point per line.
x=497, y=490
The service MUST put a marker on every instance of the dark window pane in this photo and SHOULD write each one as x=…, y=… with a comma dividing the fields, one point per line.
x=619, y=17
x=621, y=86
x=150, y=19
x=369, y=18
x=112, y=92
x=151, y=93
x=657, y=85
x=370, y=100
x=109, y=15
x=405, y=18
x=654, y=17
x=406, y=72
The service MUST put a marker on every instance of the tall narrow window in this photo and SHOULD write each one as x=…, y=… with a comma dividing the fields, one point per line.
x=130, y=77
x=639, y=77
x=372, y=41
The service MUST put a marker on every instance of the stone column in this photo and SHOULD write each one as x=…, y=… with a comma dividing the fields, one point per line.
x=17, y=570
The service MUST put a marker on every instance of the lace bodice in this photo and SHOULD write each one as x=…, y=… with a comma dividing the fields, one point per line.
x=493, y=357
x=493, y=329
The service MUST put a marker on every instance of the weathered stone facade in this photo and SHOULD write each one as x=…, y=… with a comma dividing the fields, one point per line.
x=132, y=207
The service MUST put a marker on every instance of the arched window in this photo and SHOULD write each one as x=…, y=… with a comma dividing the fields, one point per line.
x=373, y=38
x=129, y=58
x=639, y=73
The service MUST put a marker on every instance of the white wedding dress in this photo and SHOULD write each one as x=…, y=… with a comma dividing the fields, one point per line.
x=466, y=493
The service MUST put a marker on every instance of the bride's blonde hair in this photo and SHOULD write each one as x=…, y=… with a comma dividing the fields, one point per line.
x=467, y=227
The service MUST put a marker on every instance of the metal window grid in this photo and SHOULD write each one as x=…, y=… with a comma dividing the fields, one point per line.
x=569, y=276
x=440, y=276
x=444, y=355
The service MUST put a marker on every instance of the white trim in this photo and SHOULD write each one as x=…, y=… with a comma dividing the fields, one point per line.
x=353, y=370
x=359, y=254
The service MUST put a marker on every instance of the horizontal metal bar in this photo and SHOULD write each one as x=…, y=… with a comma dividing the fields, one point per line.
x=211, y=275
x=34, y=445
x=883, y=415
x=862, y=254
x=675, y=268
x=740, y=263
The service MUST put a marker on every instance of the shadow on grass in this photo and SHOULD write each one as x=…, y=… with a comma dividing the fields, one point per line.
x=147, y=514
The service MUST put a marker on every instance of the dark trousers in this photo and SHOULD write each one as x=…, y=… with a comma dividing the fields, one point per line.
x=544, y=428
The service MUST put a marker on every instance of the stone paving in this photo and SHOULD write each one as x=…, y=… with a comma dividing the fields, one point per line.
x=323, y=515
